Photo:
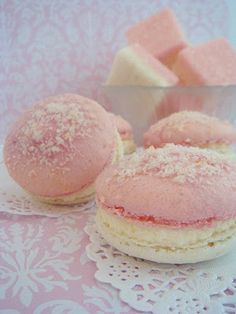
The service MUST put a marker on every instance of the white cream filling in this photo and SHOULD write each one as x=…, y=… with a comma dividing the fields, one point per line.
x=164, y=237
x=225, y=149
x=129, y=146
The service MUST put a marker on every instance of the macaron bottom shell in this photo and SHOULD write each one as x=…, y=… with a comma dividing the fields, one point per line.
x=164, y=244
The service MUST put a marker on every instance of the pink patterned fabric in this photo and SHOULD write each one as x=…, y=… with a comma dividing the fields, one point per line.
x=44, y=267
x=49, y=47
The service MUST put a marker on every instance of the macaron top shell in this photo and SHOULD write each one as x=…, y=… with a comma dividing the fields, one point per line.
x=123, y=127
x=174, y=185
x=60, y=145
x=190, y=128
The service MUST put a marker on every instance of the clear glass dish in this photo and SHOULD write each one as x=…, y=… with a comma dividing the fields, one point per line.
x=142, y=106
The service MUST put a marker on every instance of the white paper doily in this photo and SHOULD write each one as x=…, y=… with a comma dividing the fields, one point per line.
x=208, y=287
x=14, y=200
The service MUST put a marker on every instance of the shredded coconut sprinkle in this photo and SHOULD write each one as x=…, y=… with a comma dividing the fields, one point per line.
x=52, y=128
x=182, y=164
x=179, y=119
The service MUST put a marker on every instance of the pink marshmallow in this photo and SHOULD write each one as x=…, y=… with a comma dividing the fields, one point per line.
x=212, y=63
x=160, y=34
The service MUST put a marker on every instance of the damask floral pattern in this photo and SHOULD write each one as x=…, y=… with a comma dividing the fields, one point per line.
x=43, y=268
x=60, y=307
x=29, y=266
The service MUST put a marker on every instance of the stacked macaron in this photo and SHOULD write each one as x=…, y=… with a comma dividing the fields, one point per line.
x=56, y=149
x=191, y=128
x=172, y=205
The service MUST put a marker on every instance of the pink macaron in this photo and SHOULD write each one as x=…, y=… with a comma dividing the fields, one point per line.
x=57, y=148
x=125, y=131
x=191, y=128
x=169, y=204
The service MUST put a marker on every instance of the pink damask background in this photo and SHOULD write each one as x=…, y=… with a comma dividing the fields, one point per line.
x=49, y=47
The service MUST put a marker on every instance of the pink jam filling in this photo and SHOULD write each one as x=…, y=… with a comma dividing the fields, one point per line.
x=120, y=211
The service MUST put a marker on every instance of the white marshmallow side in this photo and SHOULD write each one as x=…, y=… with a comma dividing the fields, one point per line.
x=131, y=69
